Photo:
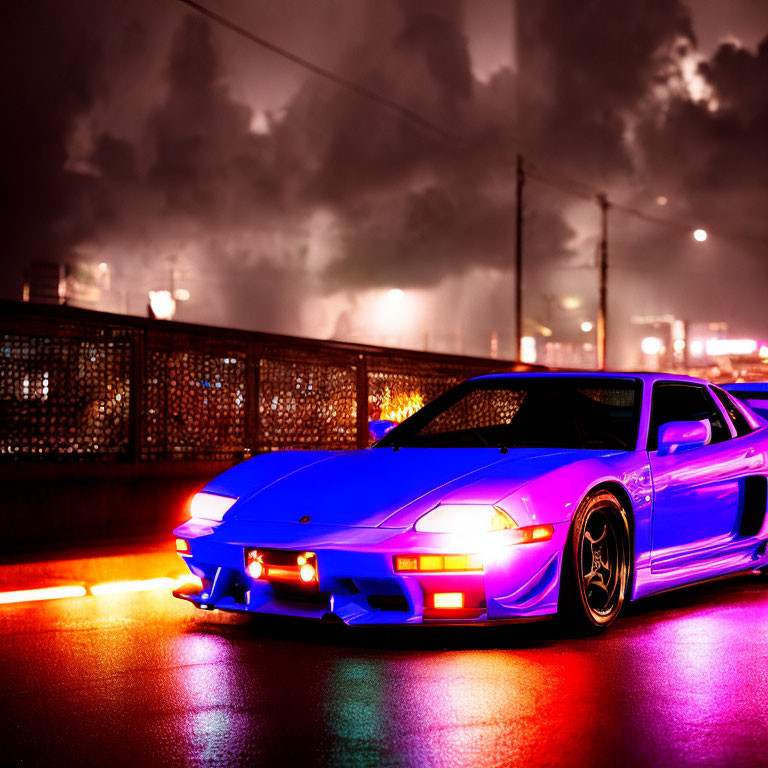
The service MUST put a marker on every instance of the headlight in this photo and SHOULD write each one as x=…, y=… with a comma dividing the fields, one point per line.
x=465, y=518
x=210, y=506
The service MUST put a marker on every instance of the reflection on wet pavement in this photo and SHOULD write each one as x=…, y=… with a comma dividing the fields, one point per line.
x=145, y=680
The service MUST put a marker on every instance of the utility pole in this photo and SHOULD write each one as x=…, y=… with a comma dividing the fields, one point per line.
x=602, y=200
x=519, y=257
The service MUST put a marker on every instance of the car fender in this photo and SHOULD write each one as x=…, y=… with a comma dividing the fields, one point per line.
x=553, y=498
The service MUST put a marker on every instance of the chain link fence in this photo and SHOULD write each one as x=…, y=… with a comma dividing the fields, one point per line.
x=80, y=386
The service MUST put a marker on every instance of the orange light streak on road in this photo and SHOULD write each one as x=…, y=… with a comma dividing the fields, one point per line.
x=47, y=593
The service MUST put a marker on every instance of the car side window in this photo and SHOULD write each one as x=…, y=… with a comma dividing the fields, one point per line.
x=684, y=402
x=734, y=414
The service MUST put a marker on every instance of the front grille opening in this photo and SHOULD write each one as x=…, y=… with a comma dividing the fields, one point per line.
x=237, y=591
x=755, y=495
x=388, y=603
x=279, y=557
x=298, y=593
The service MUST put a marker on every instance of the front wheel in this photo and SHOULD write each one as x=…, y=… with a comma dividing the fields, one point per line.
x=595, y=572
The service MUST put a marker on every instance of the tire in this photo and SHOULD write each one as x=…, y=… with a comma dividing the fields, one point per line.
x=596, y=565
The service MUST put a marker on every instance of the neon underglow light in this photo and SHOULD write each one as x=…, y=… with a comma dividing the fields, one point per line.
x=47, y=593
x=123, y=587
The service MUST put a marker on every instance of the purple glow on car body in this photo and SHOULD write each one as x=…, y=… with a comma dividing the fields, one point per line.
x=356, y=510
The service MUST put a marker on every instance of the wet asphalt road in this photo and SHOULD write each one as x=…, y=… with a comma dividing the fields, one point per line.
x=145, y=679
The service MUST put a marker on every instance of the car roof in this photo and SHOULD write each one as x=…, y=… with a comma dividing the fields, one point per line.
x=647, y=377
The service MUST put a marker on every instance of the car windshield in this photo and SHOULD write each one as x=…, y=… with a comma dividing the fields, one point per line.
x=537, y=412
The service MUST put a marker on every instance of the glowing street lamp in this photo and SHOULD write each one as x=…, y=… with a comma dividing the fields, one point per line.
x=528, y=349
x=571, y=302
x=162, y=304
x=652, y=345
x=700, y=235
x=586, y=326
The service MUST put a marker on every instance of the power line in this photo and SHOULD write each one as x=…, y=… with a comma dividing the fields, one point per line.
x=571, y=186
x=585, y=192
x=351, y=85
x=643, y=269
x=686, y=226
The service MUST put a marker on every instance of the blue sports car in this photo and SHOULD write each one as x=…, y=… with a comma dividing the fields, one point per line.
x=510, y=497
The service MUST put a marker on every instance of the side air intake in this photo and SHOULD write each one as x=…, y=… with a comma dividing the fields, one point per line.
x=755, y=498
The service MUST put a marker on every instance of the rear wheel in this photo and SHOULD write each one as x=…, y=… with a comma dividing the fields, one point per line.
x=595, y=564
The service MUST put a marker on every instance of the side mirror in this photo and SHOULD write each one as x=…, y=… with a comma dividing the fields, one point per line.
x=377, y=429
x=677, y=436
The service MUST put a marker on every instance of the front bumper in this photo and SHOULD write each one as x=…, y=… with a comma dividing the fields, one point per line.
x=357, y=581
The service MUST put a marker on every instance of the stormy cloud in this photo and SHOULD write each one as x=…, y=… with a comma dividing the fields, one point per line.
x=142, y=136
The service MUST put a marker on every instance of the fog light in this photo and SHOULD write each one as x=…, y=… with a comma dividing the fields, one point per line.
x=254, y=566
x=534, y=533
x=438, y=563
x=449, y=599
x=255, y=569
x=403, y=563
x=307, y=573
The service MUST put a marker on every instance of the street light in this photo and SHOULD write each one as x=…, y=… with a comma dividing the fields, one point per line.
x=586, y=326
x=651, y=345
x=700, y=235
x=162, y=305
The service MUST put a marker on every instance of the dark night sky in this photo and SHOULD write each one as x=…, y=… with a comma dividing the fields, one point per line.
x=139, y=135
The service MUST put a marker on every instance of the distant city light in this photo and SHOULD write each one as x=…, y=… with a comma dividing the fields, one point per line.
x=661, y=200
x=571, y=302
x=527, y=349
x=700, y=235
x=392, y=315
x=678, y=345
x=717, y=347
x=651, y=345
x=586, y=326
x=181, y=294
x=547, y=332
x=162, y=304
x=103, y=266
x=697, y=348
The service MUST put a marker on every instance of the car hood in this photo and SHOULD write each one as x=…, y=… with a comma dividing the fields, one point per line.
x=367, y=488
